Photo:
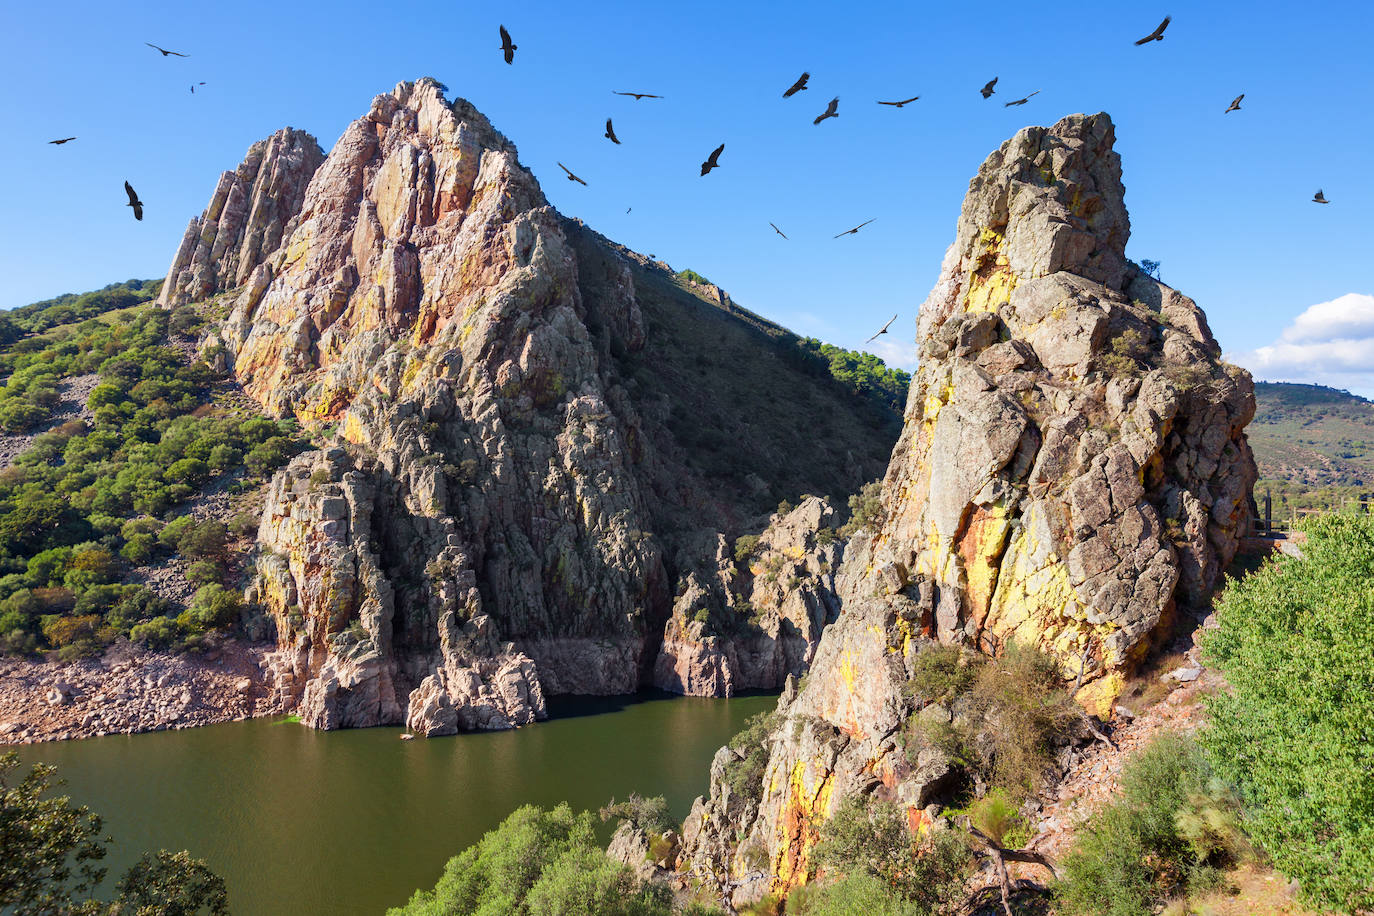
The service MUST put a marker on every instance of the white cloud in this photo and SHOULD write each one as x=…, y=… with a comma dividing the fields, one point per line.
x=899, y=353
x=1330, y=343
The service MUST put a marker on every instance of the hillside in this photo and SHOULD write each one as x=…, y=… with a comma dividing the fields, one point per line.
x=1314, y=445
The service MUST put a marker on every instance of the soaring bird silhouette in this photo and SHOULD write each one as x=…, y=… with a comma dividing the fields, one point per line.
x=193, y=87
x=638, y=95
x=830, y=111
x=1022, y=101
x=507, y=46
x=856, y=228
x=902, y=102
x=883, y=331
x=1235, y=104
x=571, y=176
x=165, y=52
x=63, y=140
x=713, y=160
x=610, y=133
x=778, y=231
x=798, y=86
x=1319, y=197
x=133, y=201
x=1158, y=33
x=988, y=90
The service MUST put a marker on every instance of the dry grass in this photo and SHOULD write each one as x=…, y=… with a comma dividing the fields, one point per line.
x=1246, y=891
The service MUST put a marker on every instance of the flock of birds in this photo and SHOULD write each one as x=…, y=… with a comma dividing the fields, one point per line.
x=509, y=47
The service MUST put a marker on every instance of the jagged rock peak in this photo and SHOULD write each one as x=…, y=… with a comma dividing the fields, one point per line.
x=1072, y=474
x=249, y=214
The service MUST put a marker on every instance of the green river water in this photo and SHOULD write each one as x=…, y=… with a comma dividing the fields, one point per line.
x=303, y=822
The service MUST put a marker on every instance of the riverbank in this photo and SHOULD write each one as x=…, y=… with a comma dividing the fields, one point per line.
x=129, y=690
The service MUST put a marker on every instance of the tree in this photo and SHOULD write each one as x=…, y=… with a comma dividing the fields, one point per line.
x=1151, y=268
x=51, y=853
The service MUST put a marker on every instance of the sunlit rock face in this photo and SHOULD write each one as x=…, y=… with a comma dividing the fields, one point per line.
x=1073, y=470
x=544, y=446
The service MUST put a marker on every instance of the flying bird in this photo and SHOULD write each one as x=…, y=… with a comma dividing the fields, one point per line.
x=988, y=90
x=1022, y=101
x=138, y=204
x=638, y=95
x=713, y=160
x=164, y=51
x=883, y=331
x=778, y=231
x=1235, y=104
x=1319, y=197
x=571, y=176
x=856, y=228
x=628, y=209
x=610, y=133
x=507, y=46
x=193, y=87
x=63, y=140
x=1157, y=34
x=830, y=111
x=798, y=86
x=902, y=102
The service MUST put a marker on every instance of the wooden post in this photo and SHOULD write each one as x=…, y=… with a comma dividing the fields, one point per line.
x=1268, y=514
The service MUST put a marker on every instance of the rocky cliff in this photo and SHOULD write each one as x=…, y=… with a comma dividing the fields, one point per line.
x=1072, y=474
x=546, y=446
x=248, y=215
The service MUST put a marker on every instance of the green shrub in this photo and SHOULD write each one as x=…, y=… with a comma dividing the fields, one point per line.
x=941, y=673
x=1132, y=854
x=204, y=572
x=213, y=606
x=865, y=509
x=744, y=774
x=541, y=863
x=648, y=815
x=1294, y=730
x=158, y=633
x=746, y=546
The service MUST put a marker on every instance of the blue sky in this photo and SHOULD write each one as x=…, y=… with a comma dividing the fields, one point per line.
x=1222, y=200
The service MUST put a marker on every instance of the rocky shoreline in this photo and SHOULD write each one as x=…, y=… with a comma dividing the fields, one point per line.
x=130, y=690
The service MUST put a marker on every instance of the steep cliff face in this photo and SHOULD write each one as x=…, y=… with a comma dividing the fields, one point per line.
x=541, y=437
x=1073, y=468
x=248, y=216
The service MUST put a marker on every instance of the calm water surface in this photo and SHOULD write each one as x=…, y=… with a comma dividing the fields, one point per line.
x=351, y=822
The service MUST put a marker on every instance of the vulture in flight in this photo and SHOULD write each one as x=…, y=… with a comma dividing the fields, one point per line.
x=1022, y=101
x=1235, y=104
x=830, y=111
x=883, y=331
x=713, y=160
x=193, y=87
x=638, y=95
x=165, y=52
x=571, y=176
x=508, y=47
x=988, y=90
x=902, y=102
x=138, y=204
x=778, y=231
x=798, y=86
x=1319, y=197
x=60, y=142
x=610, y=133
x=856, y=228
x=1157, y=34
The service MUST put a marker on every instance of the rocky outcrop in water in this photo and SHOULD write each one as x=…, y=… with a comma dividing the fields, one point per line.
x=249, y=214
x=1073, y=473
x=545, y=441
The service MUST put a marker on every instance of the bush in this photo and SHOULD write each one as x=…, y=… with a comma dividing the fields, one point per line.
x=1293, y=732
x=745, y=775
x=1145, y=847
x=869, y=839
x=746, y=545
x=213, y=607
x=204, y=572
x=865, y=509
x=647, y=815
x=539, y=862
x=158, y=633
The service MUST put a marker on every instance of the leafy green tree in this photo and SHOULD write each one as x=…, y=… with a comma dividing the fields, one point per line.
x=52, y=850
x=1295, y=731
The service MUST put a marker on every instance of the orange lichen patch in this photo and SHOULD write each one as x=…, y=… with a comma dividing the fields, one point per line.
x=981, y=547
x=918, y=821
x=799, y=827
x=353, y=429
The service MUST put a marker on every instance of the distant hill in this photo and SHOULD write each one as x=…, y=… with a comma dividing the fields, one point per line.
x=1314, y=445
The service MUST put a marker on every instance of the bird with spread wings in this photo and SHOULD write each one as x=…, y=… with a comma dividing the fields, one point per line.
x=831, y=111
x=134, y=201
x=883, y=331
x=855, y=230
x=507, y=46
x=165, y=52
x=571, y=176
x=1158, y=33
x=713, y=160
x=798, y=86
x=902, y=102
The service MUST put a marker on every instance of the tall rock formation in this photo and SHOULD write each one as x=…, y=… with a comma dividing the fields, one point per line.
x=1072, y=473
x=248, y=216
x=546, y=445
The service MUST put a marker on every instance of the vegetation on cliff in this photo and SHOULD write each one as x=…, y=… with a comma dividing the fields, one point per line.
x=52, y=850
x=1296, y=730
x=98, y=495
